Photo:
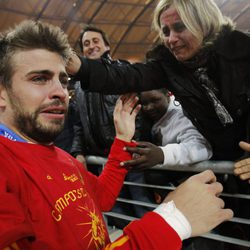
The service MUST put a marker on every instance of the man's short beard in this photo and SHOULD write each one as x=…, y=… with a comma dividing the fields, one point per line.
x=28, y=125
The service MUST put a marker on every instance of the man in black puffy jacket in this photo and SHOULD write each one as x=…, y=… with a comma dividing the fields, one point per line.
x=94, y=129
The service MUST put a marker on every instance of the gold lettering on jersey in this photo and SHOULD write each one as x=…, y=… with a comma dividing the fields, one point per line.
x=71, y=178
x=64, y=201
x=49, y=177
x=96, y=232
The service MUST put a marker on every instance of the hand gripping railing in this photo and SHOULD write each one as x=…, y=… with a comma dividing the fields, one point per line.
x=218, y=167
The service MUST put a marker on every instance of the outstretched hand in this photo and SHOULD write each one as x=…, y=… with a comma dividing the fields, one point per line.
x=73, y=64
x=198, y=199
x=242, y=168
x=126, y=110
x=145, y=155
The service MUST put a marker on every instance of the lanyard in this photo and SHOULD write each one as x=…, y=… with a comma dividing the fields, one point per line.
x=7, y=133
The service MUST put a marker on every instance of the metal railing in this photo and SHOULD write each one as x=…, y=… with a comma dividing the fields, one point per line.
x=219, y=167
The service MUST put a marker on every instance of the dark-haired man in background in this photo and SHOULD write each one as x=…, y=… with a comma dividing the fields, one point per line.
x=94, y=129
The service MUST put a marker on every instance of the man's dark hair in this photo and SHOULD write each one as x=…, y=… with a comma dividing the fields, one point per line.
x=94, y=29
x=164, y=91
x=26, y=36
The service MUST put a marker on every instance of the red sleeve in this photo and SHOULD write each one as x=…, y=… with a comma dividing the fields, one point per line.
x=13, y=224
x=149, y=233
x=108, y=185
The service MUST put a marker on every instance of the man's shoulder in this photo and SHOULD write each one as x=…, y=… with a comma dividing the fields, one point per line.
x=176, y=116
x=9, y=152
x=5, y=142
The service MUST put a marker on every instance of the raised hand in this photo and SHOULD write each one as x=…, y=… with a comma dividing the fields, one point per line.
x=73, y=65
x=145, y=155
x=242, y=168
x=125, y=112
x=197, y=198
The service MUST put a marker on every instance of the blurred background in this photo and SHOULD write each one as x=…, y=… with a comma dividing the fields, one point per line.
x=127, y=22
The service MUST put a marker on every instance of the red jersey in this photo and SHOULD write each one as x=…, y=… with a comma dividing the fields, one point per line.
x=49, y=201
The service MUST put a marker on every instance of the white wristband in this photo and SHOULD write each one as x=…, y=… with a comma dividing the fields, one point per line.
x=175, y=218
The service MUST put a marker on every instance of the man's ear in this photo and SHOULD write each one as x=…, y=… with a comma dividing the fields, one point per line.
x=3, y=96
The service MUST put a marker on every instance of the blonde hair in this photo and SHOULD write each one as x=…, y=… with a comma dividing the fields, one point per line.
x=201, y=17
